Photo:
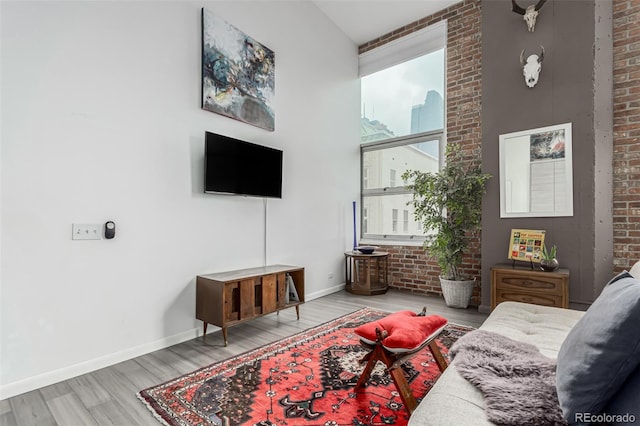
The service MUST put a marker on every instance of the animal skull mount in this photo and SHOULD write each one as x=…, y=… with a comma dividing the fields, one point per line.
x=529, y=14
x=531, y=67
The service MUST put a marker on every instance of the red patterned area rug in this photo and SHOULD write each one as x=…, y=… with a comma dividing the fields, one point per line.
x=305, y=379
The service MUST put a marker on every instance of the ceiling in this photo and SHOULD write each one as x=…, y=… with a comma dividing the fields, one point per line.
x=364, y=20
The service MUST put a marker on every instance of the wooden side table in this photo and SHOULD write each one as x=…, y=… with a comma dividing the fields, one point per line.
x=522, y=284
x=366, y=274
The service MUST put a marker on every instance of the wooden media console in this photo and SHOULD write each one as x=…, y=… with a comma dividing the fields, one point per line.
x=228, y=298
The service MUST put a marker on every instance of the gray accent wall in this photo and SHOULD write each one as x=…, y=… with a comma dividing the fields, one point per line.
x=575, y=86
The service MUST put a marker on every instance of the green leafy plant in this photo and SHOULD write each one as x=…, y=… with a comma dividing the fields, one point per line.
x=448, y=203
x=548, y=255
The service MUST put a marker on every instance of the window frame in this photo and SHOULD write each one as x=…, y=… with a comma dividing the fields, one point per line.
x=417, y=43
x=398, y=190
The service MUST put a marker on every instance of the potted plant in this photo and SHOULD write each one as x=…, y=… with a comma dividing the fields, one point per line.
x=549, y=263
x=448, y=203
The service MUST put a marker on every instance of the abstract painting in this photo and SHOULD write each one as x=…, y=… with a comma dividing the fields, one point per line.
x=238, y=74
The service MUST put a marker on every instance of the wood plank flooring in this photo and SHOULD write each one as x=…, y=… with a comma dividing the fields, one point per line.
x=108, y=396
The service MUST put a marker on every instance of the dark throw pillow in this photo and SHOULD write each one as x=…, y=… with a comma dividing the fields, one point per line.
x=624, y=407
x=600, y=352
x=621, y=275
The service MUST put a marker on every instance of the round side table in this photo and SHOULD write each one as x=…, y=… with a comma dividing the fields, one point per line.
x=366, y=274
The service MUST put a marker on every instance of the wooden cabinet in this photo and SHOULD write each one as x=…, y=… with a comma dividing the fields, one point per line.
x=522, y=284
x=228, y=298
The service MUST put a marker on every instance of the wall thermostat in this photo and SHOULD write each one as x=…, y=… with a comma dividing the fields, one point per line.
x=109, y=230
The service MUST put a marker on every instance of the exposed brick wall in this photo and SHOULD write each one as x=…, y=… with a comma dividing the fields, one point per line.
x=411, y=270
x=626, y=133
x=409, y=267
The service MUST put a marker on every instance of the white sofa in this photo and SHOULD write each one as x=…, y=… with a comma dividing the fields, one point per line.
x=454, y=401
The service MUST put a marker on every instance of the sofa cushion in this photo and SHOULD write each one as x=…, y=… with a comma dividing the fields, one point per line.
x=405, y=330
x=454, y=402
x=601, y=350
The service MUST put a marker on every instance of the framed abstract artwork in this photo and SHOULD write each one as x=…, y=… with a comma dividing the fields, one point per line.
x=238, y=74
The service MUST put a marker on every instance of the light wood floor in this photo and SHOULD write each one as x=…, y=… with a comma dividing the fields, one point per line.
x=108, y=396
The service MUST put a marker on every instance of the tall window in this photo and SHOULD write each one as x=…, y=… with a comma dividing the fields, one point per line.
x=402, y=121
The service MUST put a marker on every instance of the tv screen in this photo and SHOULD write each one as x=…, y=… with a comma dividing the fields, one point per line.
x=233, y=166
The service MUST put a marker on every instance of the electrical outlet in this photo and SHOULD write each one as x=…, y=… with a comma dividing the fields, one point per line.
x=330, y=275
x=83, y=231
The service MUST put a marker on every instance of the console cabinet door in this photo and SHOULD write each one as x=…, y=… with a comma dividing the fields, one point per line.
x=230, y=302
x=247, y=301
x=282, y=290
x=269, y=293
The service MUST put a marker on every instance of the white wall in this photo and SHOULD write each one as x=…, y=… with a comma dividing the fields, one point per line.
x=101, y=120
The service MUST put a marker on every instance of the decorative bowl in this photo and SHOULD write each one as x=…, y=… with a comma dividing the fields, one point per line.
x=366, y=249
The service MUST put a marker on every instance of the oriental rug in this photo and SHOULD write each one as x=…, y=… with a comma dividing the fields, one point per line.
x=305, y=379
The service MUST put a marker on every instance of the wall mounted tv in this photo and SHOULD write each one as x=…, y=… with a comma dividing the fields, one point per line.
x=233, y=166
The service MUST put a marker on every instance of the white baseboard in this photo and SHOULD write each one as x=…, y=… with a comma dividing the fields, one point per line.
x=315, y=295
x=50, y=377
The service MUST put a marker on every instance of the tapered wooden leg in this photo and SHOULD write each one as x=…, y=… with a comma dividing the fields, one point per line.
x=224, y=336
x=204, y=329
x=371, y=359
x=298, y=311
x=437, y=355
x=400, y=381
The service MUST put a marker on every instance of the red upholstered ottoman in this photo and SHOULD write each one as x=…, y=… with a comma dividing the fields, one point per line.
x=394, y=339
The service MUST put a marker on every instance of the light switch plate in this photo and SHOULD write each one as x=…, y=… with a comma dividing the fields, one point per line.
x=83, y=231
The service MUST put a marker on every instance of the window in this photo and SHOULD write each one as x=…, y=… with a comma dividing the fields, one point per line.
x=405, y=221
x=364, y=221
x=381, y=203
x=365, y=173
x=394, y=220
x=402, y=121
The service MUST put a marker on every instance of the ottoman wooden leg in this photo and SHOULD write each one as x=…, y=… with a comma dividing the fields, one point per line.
x=437, y=355
x=400, y=381
x=371, y=358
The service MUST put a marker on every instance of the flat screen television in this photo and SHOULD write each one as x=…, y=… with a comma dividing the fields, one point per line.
x=233, y=166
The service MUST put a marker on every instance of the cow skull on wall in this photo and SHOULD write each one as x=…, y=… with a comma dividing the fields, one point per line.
x=531, y=67
x=529, y=14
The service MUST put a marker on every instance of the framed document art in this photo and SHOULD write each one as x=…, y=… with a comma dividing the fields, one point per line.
x=526, y=245
x=536, y=173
